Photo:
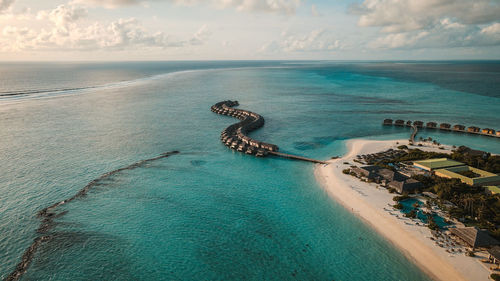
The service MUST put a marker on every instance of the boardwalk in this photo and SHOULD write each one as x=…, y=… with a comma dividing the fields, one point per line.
x=295, y=157
x=415, y=131
x=235, y=136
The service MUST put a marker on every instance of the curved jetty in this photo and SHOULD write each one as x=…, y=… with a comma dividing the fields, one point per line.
x=235, y=136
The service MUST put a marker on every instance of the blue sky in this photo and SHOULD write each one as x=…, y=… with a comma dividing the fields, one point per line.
x=249, y=29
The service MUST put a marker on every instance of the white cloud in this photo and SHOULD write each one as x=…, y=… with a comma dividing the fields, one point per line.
x=445, y=35
x=277, y=6
x=431, y=23
x=408, y=15
x=5, y=4
x=314, y=41
x=66, y=32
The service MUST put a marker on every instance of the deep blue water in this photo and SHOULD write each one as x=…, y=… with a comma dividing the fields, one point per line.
x=207, y=213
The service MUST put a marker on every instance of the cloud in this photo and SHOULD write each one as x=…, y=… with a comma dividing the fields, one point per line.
x=274, y=6
x=66, y=33
x=314, y=41
x=446, y=35
x=409, y=15
x=411, y=24
x=5, y=4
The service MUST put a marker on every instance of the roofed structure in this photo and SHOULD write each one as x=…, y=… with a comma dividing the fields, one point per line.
x=473, y=129
x=431, y=125
x=444, y=126
x=459, y=127
x=474, y=237
x=437, y=163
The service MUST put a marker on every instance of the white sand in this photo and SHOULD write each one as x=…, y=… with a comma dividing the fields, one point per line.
x=371, y=204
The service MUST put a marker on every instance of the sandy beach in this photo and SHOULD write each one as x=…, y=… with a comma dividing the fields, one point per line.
x=370, y=203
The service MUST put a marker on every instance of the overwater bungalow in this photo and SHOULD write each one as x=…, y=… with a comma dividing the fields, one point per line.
x=488, y=131
x=418, y=124
x=387, y=122
x=399, y=122
x=444, y=126
x=498, y=133
x=431, y=125
x=408, y=123
x=458, y=127
x=473, y=129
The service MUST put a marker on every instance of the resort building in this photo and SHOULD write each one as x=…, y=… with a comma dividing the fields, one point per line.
x=469, y=175
x=396, y=180
x=488, y=131
x=458, y=127
x=388, y=122
x=431, y=125
x=405, y=186
x=399, y=122
x=492, y=189
x=445, y=126
x=435, y=164
x=498, y=133
x=473, y=129
x=494, y=254
x=474, y=237
x=418, y=124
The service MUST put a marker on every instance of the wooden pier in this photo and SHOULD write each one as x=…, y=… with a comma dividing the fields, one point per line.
x=235, y=136
x=295, y=157
x=473, y=130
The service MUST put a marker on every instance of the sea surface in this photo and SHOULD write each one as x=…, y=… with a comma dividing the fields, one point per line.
x=209, y=213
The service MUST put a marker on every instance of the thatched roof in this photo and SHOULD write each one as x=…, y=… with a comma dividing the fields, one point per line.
x=495, y=252
x=474, y=236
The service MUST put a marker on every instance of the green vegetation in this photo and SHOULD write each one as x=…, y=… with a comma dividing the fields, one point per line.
x=472, y=205
x=398, y=206
x=412, y=214
x=402, y=147
x=346, y=171
x=432, y=224
x=400, y=198
x=487, y=162
x=495, y=276
x=469, y=174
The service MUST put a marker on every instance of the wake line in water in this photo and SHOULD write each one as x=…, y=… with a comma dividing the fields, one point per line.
x=48, y=217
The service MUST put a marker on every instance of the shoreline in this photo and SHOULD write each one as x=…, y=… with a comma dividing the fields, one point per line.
x=412, y=240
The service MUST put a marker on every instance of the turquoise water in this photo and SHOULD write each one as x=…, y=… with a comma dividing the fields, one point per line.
x=207, y=213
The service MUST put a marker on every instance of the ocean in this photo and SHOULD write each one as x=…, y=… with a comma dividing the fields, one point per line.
x=209, y=213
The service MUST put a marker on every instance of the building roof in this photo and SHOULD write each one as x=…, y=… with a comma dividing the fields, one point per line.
x=495, y=252
x=494, y=189
x=437, y=163
x=474, y=236
x=483, y=178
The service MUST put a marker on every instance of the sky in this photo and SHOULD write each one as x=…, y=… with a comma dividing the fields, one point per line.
x=96, y=30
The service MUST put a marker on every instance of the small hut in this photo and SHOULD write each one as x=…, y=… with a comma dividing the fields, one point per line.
x=418, y=124
x=473, y=129
x=431, y=125
x=488, y=131
x=444, y=126
x=498, y=133
x=408, y=123
x=474, y=237
x=458, y=127
x=494, y=254
x=399, y=122
x=388, y=122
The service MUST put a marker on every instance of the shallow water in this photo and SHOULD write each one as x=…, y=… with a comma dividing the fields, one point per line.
x=206, y=213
